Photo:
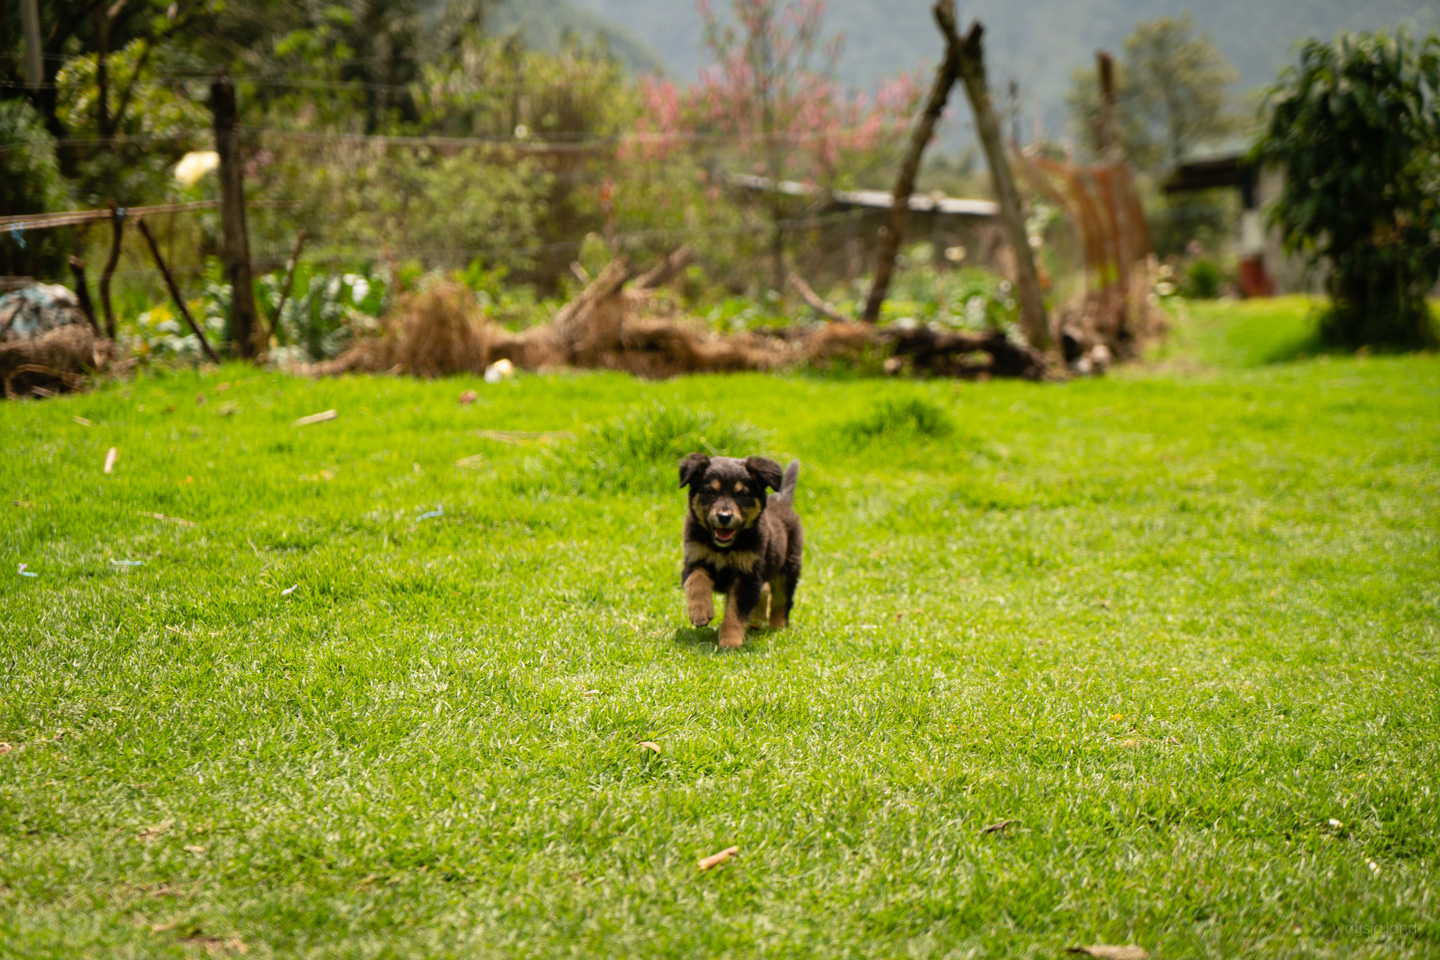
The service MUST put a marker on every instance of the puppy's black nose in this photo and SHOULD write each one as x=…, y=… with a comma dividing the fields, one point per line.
x=724, y=516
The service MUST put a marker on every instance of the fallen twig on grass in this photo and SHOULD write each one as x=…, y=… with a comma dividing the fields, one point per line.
x=715, y=859
x=161, y=516
x=1103, y=951
x=314, y=418
x=525, y=436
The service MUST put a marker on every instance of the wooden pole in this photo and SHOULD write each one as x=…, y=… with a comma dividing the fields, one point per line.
x=236, y=243
x=30, y=27
x=175, y=290
x=1106, y=129
x=82, y=293
x=285, y=290
x=1112, y=156
x=945, y=77
x=117, y=228
x=971, y=53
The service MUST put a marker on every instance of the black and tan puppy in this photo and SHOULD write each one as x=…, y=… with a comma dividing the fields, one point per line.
x=740, y=543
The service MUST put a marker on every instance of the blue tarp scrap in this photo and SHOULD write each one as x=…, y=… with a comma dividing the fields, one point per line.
x=28, y=313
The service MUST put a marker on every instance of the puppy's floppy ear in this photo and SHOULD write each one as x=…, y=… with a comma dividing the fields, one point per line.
x=692, y=468
x=765, y=470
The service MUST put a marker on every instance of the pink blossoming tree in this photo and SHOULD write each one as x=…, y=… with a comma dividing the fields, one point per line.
x=770, y=105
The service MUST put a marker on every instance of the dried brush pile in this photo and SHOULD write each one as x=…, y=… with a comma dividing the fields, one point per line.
x=611, y=325
x=434, y=332
x=47, y=344
x=56, y=361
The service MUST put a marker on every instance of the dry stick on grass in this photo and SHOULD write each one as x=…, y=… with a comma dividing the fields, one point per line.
x=174, y=290
x=715, y=859
x=285, y=290
x=161, y=516
x=82, y=294
x=945, y=76
x=971, y=58
x=314, y=418
x=117, y=229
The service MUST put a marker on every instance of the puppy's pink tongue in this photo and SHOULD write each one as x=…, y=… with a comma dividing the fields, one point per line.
x=724, y=534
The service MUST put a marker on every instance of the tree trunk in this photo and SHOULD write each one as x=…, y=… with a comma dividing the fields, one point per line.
x=30, y=26
x=236, y=244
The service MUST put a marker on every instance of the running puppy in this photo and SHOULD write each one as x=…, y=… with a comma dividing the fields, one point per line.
x=738, y=544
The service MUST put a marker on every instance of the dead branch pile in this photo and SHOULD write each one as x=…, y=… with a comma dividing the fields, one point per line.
x=60, y=359
x=435, y=332
x=1116, y=316
x=612, y=325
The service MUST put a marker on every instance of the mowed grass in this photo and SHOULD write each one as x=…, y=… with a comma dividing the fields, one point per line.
x=383, y=695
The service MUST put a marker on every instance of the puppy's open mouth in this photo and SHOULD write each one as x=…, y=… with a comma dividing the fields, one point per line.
x=724, y=536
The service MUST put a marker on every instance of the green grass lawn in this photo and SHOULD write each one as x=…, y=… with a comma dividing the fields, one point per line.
x=381, y=694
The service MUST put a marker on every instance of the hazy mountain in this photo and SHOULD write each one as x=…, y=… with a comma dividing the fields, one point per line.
x=543, y=24
x=1036, y=43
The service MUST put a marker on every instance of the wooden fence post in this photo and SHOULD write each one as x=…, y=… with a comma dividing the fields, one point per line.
x=945, y=77
x=236, y=244
x=971, y=51
x=117, y=230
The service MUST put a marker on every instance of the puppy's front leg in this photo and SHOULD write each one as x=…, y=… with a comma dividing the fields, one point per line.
x=739, y=607
x=700, y=596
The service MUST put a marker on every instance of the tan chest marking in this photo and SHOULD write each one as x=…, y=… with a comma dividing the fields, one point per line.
x=742, y=560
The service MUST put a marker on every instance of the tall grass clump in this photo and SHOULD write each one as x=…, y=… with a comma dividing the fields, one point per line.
x=638, y=452
x=908, y=419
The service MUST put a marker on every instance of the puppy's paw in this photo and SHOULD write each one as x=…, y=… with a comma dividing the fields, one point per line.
x=701, y=610
x=732, y=635
x=778, y=621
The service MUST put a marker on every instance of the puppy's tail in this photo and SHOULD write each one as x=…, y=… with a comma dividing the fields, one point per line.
x=786, y=493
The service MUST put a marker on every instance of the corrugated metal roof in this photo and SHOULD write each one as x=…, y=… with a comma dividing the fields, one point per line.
x=875, y=199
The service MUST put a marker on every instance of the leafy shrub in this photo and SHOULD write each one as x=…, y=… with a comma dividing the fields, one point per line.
x=1203, y=280
x=30, y=182
x=324, y=311
x=160, y=334
x=1354, y=127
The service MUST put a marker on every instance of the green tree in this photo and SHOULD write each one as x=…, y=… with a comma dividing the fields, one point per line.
x=1355, y=127
x=30, y=182
x=1172, y=93
x=70, y=28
